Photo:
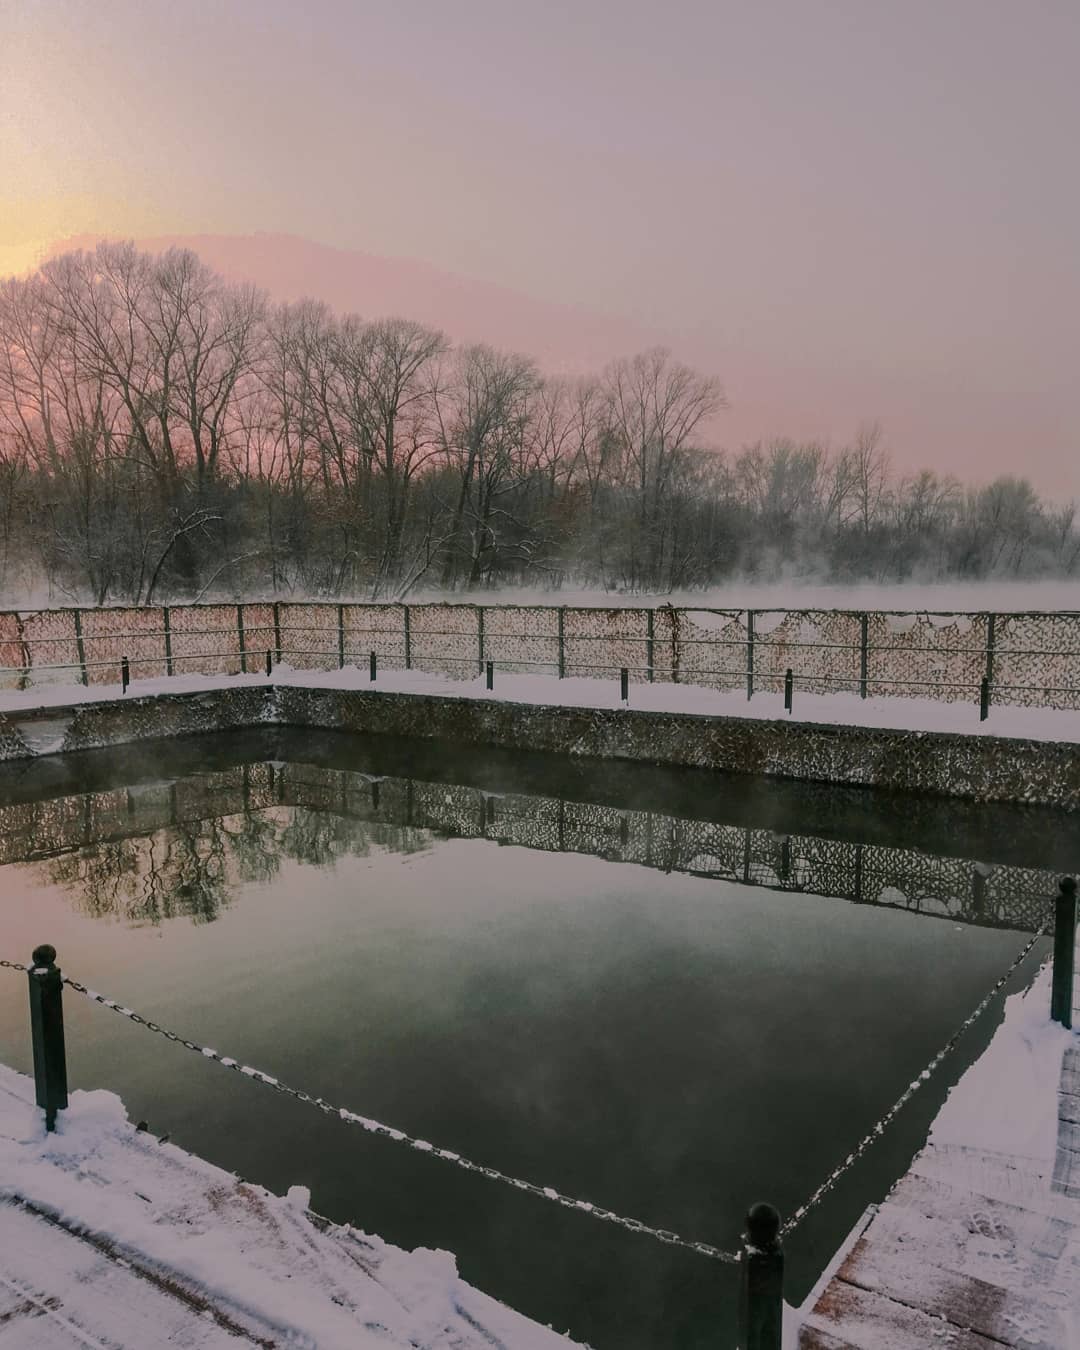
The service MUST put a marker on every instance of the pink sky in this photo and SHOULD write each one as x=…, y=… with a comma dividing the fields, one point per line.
x=848, y=209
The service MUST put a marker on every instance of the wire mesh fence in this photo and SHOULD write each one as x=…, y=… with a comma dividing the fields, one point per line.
x=1018, y=659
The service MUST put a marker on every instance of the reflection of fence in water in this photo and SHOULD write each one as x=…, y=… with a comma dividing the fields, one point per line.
x=1029, y=658
x=221, y=836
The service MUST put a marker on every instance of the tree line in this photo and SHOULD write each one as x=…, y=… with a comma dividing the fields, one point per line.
x=165, y=435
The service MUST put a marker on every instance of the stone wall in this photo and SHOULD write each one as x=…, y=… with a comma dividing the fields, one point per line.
x=976, y=768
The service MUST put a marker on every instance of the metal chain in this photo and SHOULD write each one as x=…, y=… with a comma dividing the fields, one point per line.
x=548, y=1192
x=879, y=1129
x=399, y=1136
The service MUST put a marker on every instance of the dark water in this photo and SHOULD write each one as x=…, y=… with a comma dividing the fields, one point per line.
x=608, y=979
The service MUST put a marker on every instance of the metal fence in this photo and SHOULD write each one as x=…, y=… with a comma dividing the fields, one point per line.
x=1021, y=659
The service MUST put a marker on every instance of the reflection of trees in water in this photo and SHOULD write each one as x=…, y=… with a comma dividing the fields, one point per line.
x=191, y=869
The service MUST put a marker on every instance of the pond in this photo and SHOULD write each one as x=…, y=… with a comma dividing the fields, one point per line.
x=670, y=994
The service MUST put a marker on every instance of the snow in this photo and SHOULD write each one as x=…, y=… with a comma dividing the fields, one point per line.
x=1025, y=1054
x=975, y=1232
x=257, y=1259
x=806, y=593
x=837, y=709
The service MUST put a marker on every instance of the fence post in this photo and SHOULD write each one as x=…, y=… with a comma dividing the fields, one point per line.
x=864, y=652
x=749, y=653
x=79, y=645
x=624, y=684
x=341, y=637
x=650, y=642
x=789, y=689
x=408, y=638
x=277, y=635
x=562, y=642
x=991, y=634
x=125, y=674
x=1064, y=952
x=480, y=635
x=167, y=626
x=761, y=1303
x=373, y=667
x=269, y=663
x=490, y=667
x=984, y=699
x=47, y=1033
x=240, y=638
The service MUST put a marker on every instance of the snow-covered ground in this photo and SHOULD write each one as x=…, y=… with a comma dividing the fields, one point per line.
x=977, y=1230
x=963, y=597
x=909, y=714
x=1006, y=1102
x=101, y=1227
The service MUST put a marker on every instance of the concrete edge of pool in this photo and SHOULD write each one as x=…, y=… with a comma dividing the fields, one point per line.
x=944, y=764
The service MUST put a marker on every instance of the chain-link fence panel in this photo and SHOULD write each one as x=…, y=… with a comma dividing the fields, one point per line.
x=204, y=639
x=705, y=647
x=108, y=635
x=445, y=640
x=374, y=628
x=1036, y=660
x=14, y=656
x=822, y=649
x=523, y=638
x=935, y=656
x=51, y=647
x=598, y=643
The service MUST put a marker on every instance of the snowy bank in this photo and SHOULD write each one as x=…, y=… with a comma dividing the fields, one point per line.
x=247, y=1261
x=977, y=1243
x=835, y=709
x=1007, y=1101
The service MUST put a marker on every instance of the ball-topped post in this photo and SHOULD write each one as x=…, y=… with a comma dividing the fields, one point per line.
x=761, y=1303
x=47, y=1032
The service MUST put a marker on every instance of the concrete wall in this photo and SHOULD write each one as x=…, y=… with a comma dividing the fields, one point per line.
x=977, y=768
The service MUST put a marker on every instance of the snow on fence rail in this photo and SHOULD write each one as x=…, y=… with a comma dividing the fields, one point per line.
x=1023, y=659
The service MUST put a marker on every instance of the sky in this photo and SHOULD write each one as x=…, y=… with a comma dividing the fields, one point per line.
x=846, y=209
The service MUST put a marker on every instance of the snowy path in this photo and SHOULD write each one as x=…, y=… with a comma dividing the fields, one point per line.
x=59, y=1290
x=112, y=1241
x=844, y=709
x=979, y=1244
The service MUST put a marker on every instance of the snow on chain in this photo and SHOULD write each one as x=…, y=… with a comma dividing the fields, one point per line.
x=388, y=1132
x=548, y=1192
x=878, y=1129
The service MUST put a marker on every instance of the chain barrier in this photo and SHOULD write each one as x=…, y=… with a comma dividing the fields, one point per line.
x=664, y=1235
x=399, y=1136
x=879, y=1129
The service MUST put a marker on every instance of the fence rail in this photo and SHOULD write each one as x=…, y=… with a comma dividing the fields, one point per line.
x=1026, y=659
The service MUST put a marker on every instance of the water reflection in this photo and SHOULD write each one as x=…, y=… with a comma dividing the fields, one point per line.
x=193, y=868
x=525, y=966
x=156, y=851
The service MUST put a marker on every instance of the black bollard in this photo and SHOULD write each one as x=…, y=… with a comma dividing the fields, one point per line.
x=491, y=674
x=125, y=674
x=984, y=699
x=47, y=1033
x=624, y=685
x=1061, y=999
x=269, y=663
x=373, y=666
x=761, y=1301
x=789, y=690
